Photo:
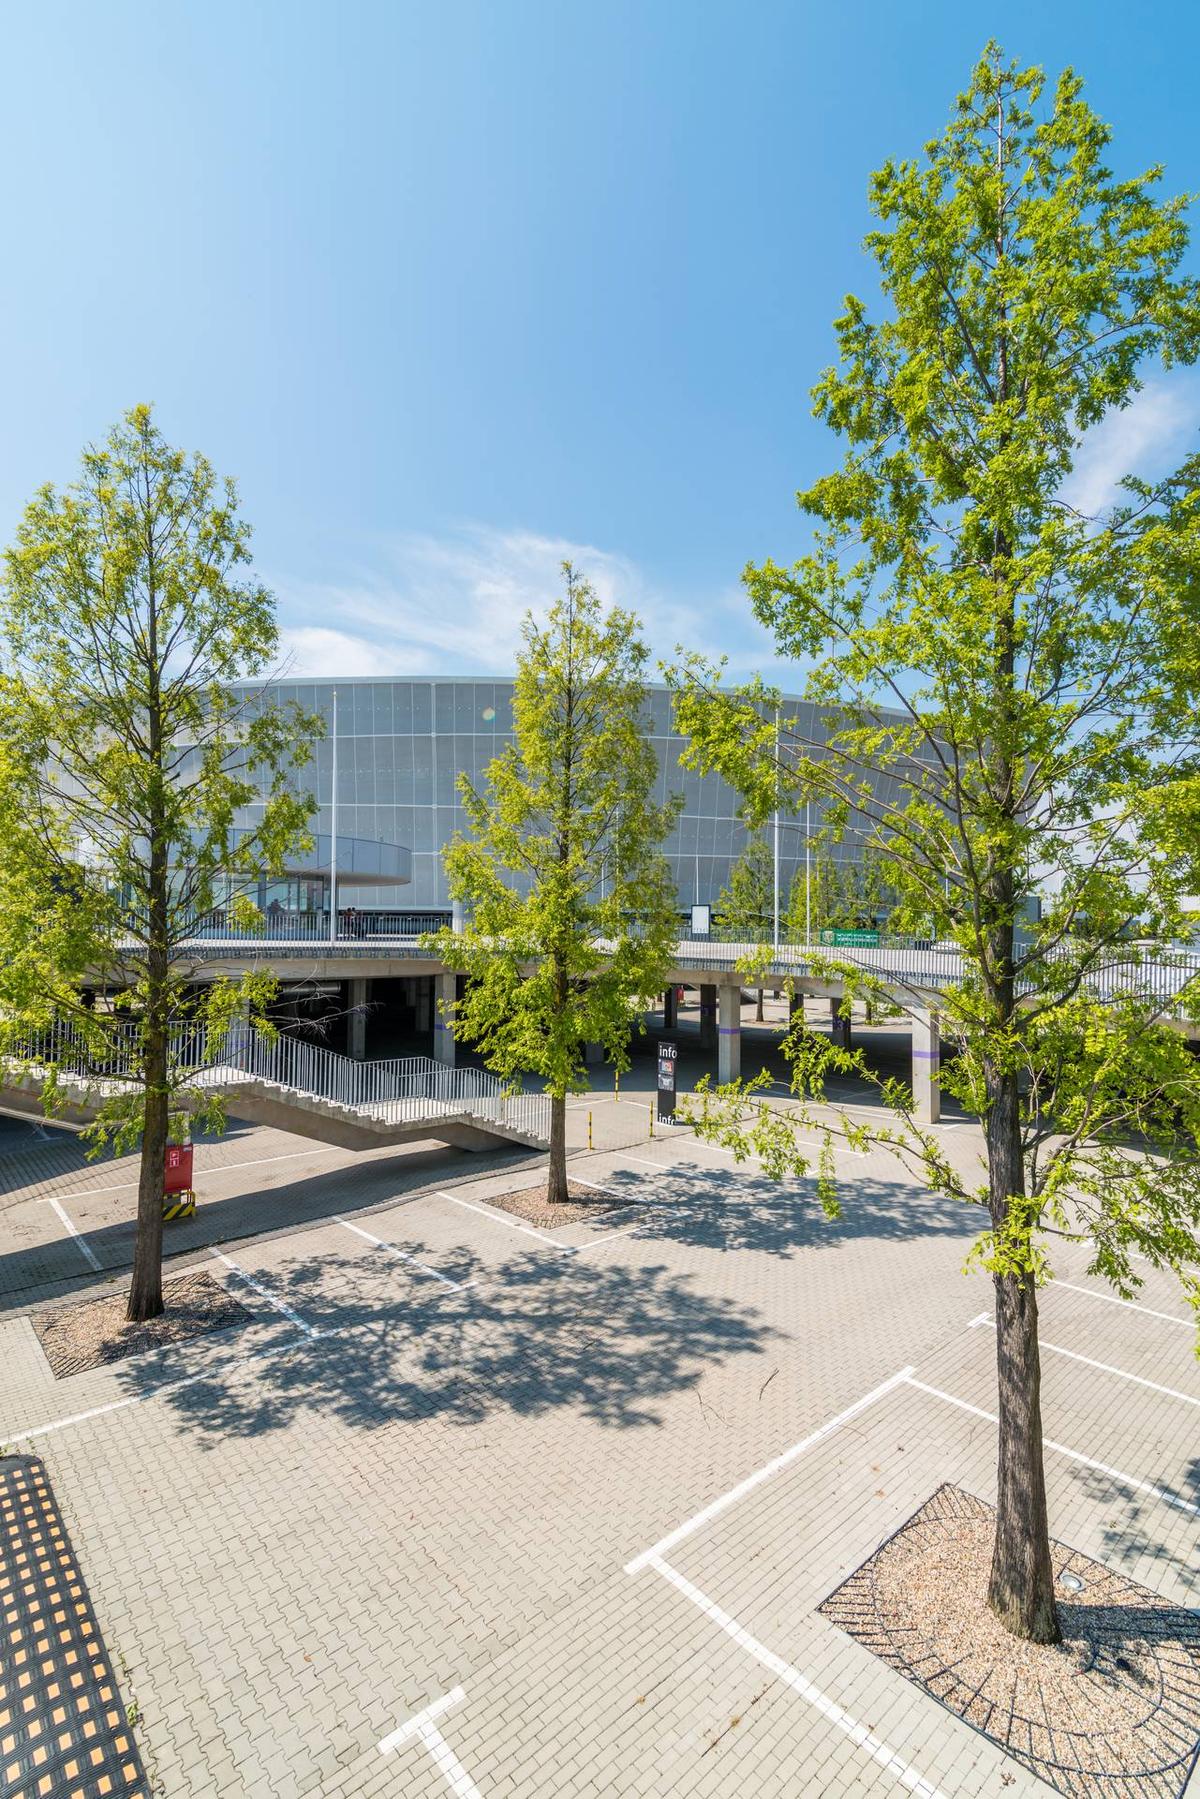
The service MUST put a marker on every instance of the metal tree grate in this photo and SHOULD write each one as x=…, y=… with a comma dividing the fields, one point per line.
x=1113, y=1710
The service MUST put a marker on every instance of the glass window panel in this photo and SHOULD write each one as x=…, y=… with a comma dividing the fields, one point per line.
x=402, y=708
x=443, y=790
x=485, y=706
x=422, y=708
x=422, y=771
x=400, y=757
x=443, y=706
x=364, y=770
x=504, y=708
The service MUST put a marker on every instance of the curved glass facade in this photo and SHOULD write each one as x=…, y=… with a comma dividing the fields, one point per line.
x=401, y=744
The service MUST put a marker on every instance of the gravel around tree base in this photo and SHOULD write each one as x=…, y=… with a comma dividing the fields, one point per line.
x=1113, y=1709
x=93, y=1332
x=531, y=1204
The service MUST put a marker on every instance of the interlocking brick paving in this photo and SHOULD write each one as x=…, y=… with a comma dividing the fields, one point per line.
x=297, y=1544
x=1112, y=1709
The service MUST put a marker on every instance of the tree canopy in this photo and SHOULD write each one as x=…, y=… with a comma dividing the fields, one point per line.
x=1008, y=687
x=127, y=748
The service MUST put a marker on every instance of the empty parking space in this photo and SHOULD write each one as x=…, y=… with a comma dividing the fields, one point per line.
x=474, y=1507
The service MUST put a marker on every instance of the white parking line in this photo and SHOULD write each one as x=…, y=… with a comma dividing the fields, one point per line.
x=799, y=1683
x=424, y=1728
x=764, y=1473
x=1114, y=1299
x=659, y=1205
x=80, y=1239
x=272, y=1299
x=514, y=1224
x=581, y=1249
x=1072, y=1455
x=165, y=1387
x=401, y=1255
x=292, y=1155
x=1106, y=1367
x=212, y=1372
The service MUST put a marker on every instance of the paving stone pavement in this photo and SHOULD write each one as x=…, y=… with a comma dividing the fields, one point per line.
x=435, y=1476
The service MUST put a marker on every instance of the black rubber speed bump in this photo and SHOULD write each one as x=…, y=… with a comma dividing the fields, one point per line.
x=63, y=1731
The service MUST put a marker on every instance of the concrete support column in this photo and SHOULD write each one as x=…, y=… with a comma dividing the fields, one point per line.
x=839, y=1026
x=708, y=1018
x=670, y=1008
x=445, y=992
x=729, y=1036
x=926, y=1066
x=356, y=1035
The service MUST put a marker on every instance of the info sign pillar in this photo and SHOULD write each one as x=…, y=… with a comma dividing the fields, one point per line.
x=667, y=1056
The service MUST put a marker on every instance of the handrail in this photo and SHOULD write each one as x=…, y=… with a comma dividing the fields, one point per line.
x=400, y=1090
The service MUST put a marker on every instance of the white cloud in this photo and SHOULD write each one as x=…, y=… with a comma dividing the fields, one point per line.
x=1146, y=439
x=454, y=604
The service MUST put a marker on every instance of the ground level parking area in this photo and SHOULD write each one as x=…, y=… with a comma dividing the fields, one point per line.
x=471, y=1507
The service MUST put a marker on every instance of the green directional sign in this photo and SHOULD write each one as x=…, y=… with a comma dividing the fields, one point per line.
x=851, y=939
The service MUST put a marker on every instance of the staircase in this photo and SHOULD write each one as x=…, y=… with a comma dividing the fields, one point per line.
x=298, y=1087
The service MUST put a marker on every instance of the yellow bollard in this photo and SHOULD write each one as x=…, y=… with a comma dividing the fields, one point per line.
x=616, y=1083
x=650, y=1109
x=589, y=1130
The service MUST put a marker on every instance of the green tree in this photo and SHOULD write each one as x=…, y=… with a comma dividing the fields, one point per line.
x=1021, y=672
x=572, y=916
x=746, y=907
x=126, y=753
x=837, y=895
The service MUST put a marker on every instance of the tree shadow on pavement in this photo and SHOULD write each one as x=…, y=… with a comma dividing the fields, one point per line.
x=1139, y=1535
x=739, y=1208
x=537, y=1334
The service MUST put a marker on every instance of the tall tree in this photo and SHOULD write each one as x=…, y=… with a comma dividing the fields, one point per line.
x=126, y=617
x=572, y=916
x=1011, y=674
x=833, y=895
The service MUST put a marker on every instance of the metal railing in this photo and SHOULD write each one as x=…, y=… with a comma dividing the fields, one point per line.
x=313, y=927
x=403, y=1090
x=1153, y=974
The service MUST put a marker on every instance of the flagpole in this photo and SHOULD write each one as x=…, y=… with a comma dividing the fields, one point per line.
x=807, y=872
x=776, y=848
x=333, y=832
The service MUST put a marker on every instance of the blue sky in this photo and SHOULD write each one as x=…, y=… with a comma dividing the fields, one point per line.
x=455, y=289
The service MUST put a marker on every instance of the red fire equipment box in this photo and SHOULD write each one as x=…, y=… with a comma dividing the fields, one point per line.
x=179, y=1201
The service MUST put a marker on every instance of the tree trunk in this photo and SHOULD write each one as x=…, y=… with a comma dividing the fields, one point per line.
x=145, y=1291
x=758, y=1015
x=1021, y=1585
x=556, y=1187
